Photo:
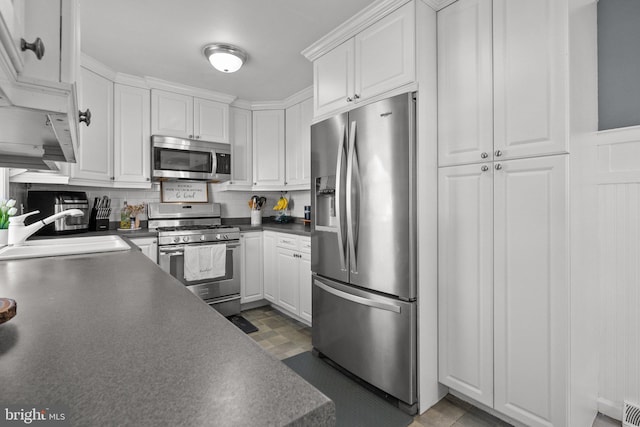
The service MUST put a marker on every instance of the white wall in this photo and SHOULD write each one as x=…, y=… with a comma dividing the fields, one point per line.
x=610, y=163
x=618, y=179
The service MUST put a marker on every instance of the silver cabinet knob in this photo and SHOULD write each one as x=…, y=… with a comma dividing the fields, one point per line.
x=484, y=155
x=498, y=153
x=191, y=136
x=349, y=99
x=498, y=166
x=484, y=168
x=356, y=96
x=37, y=47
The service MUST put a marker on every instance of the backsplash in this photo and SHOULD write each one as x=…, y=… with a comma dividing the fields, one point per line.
x=233, y=203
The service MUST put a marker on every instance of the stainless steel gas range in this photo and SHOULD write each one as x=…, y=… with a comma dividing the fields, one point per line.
x=195, y=230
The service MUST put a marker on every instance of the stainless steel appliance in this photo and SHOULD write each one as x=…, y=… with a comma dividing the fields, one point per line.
x=189, y=159
x=53, y=202
x=182, y=225
x=363, y=244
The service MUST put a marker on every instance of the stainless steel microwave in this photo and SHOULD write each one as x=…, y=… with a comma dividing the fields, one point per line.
x=178, y=158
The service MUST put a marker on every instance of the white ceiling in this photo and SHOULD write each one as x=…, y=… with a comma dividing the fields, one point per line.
x=164, y=39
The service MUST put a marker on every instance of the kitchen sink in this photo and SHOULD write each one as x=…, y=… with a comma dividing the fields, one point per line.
x=64, y=246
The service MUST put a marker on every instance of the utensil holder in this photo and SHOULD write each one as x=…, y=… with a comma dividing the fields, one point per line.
x=256, y=217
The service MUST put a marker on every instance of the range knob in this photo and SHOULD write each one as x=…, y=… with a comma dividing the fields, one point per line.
x=176, y=240
x=203, y=238
x=218, y=236
x=185, y=239
x=225, y=236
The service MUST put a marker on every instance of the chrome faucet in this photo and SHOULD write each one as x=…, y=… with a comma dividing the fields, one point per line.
x=18, y=232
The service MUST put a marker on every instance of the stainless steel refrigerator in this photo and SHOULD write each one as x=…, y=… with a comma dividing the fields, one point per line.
x=363, y=244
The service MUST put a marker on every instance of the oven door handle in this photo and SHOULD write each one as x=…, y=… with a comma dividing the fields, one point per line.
x=171, y=252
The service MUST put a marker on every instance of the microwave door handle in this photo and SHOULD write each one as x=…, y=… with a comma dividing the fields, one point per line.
x=350, y=207
x=338, y=200
x=214, y=162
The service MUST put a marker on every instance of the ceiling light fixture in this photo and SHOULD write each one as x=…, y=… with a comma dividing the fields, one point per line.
x=225, y=57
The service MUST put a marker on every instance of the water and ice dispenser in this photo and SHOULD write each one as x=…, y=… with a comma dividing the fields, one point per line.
x=325, y=203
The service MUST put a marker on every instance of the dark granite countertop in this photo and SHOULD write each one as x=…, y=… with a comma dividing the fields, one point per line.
x=268, y=224
x=119, y=342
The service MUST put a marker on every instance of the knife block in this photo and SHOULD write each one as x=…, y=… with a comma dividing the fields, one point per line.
x=97, y=222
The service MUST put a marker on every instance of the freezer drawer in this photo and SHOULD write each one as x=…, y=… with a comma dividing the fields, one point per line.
x=372, y=336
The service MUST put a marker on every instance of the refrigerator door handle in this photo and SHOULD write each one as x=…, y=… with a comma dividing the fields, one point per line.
x=350, y=228
x=357, y=299
x=341, y=250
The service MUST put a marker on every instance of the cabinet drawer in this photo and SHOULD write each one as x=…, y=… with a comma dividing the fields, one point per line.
x=287, y=241
x=305, y=244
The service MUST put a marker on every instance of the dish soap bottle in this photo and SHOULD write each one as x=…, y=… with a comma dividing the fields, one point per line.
x=125, y=222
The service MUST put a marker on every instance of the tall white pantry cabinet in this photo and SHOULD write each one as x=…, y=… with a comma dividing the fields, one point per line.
x=507, y=333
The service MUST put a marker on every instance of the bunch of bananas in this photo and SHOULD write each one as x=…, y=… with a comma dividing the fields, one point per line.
x=282, y=204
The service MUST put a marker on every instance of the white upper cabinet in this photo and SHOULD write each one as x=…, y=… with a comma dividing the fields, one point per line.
x=132, y=146
x=50, y=30
x=210, y=120
x=172, y=114
x=376, y=60
x=268, y=149
x=465, y=282
x=502, y=80
x=241, y=147
x=530, y=67
x=114, y=150
x=183, y=116
x=95, y=151
x=465, y=81
x=298, y=145
x=385, y=54
x=334, y=82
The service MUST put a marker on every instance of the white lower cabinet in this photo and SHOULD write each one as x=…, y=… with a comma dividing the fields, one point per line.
x=269, y=266
x=148, y=246
x=287, y=273
x=504, y=327
x=251, y=282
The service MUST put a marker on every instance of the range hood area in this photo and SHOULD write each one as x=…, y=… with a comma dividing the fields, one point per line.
x=33, y=139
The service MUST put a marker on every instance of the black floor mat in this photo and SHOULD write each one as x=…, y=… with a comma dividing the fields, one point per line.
x=242, y=323
x=355, y=405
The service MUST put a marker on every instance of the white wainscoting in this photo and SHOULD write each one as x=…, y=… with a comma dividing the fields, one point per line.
x=618, y=179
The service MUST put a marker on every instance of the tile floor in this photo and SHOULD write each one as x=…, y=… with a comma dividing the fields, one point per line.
x=284, y=337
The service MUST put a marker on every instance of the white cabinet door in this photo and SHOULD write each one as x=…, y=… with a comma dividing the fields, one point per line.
x=241, y=147
x=304, y=271
x=385, y=53
x=531, y=290
x=268, y=148
x=251, y=288
x=171, y=114
x=465, y=283
x=270, y=276
x=530, y=63
x=465, y=83
x=95, y=151
x=333, y=77
x=132, y=149
x=288, y=286
x=210, y=120
x=148, y=246
x=42, y=20
x=298, y=144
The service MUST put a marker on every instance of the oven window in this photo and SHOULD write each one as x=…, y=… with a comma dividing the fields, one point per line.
x=182, y=160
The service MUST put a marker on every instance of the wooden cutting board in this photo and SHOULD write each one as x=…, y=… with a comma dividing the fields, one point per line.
x=7, y=309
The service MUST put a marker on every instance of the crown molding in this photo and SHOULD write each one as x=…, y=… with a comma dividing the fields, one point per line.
x=97, y=67
x=351, y=27
x=290, y=101
x=155, y=83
